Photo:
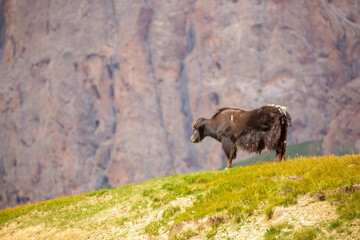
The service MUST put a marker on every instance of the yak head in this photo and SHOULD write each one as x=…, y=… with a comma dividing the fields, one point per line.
x=198, y=131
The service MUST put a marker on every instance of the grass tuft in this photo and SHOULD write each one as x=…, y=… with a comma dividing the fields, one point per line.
x=305, y=233
x=184, y=235
x=276, y=231
x=170, y=212
x=335, y=224
x=153, y=228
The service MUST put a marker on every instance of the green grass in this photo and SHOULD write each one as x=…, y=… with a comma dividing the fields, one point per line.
x=335, y=224
x=276, y=232
x=67, y=211
x=348, y=204
x=153, y=228
x=305, y=233
x=304, y=149
x=234, y=195
x=12, y=213
x=169, y=212
x=269, y=184
x=184, y=235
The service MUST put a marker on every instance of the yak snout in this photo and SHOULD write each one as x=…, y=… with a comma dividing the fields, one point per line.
x=198, y=130
x=195, y=138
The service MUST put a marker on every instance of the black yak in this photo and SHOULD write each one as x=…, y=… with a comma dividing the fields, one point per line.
x=253, y=131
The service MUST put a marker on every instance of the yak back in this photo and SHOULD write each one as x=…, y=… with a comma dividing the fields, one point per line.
x=252, y=130
x=224, y=121
x=222, y=112
x=262, y=128
x=259, y=119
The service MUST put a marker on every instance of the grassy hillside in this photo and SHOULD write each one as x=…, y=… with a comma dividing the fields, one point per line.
x=307, y=149
x=302, y=198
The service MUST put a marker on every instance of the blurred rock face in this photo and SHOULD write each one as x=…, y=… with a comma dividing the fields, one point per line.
x=105, y=92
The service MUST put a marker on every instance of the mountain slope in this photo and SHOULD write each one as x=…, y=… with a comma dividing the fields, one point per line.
x=302, y=197
x=106, y=92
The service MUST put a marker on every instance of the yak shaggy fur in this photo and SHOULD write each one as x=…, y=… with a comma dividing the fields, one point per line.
x=253, y=130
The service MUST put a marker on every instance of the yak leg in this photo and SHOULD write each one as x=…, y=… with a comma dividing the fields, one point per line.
x=283, y=152
x=283, y=144
x=230, y=152
x=229, y=160
x=280, y=153
x=278, y=156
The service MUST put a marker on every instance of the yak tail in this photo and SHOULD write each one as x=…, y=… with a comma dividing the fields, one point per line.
x=285, y=124
x=288, y=119
x=286, y=116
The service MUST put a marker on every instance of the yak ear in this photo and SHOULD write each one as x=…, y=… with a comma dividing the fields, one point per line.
x=195, y=123
x=199, y=123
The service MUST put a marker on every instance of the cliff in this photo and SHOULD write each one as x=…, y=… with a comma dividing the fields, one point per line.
x=105, y=92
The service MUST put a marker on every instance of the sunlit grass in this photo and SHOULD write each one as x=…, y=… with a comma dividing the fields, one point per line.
x=270, y=185
x=305, y=233
x=276, y=232
x=11, y=213
x=235, y=194
x=304, y=149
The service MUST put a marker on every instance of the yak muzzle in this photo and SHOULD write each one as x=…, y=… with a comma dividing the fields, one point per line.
x=194, y=139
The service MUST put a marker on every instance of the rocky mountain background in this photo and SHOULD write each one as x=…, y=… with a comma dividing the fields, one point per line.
x=105, y=92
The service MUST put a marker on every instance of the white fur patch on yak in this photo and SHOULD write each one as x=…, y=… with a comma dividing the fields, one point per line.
x=282, y=109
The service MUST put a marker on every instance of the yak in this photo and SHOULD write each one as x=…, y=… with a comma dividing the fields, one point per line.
x=252, y=131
